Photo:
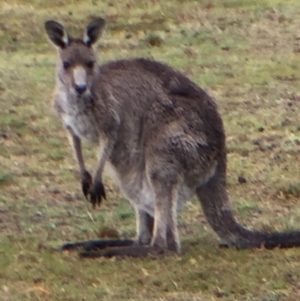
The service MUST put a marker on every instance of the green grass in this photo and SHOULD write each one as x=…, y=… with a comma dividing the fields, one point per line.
x=246, y=54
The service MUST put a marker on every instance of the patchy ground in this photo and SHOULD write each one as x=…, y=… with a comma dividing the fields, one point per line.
x=246, y=53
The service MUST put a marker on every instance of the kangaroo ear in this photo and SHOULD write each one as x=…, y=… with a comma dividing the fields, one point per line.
x=56, y=33
x=93, y=31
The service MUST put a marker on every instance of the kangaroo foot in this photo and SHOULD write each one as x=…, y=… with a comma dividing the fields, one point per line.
x=126, y=251
x=90, y=245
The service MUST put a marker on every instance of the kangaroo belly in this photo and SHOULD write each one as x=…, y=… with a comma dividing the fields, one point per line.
x=140, y=192
x=134, y=186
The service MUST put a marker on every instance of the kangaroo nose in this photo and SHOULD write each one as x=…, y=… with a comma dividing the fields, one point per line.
x=80, y=88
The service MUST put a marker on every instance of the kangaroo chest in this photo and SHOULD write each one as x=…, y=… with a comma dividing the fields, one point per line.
x=77, y=114
x=83, y=127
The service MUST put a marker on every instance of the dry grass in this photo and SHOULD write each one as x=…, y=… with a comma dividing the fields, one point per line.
x=244, y=53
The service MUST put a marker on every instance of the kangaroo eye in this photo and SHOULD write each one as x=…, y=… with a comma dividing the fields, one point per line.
x=90, y=64
x=66, y=64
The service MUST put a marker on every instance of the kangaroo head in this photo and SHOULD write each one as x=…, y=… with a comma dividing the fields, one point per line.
x=77, y=58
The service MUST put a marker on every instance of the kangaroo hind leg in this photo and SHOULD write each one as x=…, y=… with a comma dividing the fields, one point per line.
x=118, y=247
x=165, y=232
x=163, y=227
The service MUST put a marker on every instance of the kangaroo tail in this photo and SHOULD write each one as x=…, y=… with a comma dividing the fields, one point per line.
x=271, y=240
x=215, y=205
x=287, y=239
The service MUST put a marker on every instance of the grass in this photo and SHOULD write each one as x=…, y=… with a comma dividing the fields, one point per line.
x=244, y=53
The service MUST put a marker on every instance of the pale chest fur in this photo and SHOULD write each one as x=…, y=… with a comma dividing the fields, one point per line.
x=76, y=114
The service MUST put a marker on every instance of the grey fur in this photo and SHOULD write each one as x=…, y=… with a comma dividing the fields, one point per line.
x=159, y=135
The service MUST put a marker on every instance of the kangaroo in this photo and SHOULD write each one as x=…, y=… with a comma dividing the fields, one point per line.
x=159, y=136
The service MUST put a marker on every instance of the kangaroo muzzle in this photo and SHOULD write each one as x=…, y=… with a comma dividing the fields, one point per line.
x=79, y=76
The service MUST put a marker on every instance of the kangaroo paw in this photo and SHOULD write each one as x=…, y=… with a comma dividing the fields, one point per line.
x=86, y=183
x=97, y=193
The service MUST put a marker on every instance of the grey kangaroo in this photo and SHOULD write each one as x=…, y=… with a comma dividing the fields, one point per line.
x=159, y=136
